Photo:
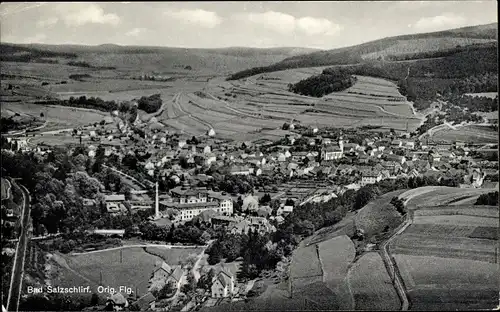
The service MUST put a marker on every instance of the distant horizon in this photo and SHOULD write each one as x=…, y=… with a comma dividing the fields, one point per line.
x=222, y=25
x=231, y=47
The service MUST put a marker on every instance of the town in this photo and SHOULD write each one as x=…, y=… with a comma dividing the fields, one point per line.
x=173, y=181
x=183, y=156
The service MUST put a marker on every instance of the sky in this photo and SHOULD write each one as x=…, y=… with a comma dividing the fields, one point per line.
x=323, y=25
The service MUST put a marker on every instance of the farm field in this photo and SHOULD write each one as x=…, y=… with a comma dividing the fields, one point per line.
x=457, y=220
x=469, y=134
x=134, y=270
x=59, y=116
x=172, y=256
x=466, y=210
x=436, y=283
x=268, y=95
x=371, y=285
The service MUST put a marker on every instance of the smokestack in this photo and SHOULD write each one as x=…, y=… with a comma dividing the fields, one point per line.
x=157, y=204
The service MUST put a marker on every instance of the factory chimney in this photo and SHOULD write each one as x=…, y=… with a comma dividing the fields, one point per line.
x=157, y=204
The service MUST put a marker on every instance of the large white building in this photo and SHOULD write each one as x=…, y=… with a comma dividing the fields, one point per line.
x=191, y=202
x=331, y=153
x=370, y=177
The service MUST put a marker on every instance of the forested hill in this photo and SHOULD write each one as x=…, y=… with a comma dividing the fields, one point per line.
x=406, y=47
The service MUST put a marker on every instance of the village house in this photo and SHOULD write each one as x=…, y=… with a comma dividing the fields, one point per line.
x=166, y=274
x=240, y=170
x=223, y=284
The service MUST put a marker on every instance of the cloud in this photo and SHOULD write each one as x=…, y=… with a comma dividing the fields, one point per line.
x=78, y=14
x=318, y=26
x=199, y=17
x=276, y=21
x=51, y=21
x=286, y=24
x=135, y=32
x=439, y=22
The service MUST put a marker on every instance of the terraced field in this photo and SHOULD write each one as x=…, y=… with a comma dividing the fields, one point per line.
x=448, y=255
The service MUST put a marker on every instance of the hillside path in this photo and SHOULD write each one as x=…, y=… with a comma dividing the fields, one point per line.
x=391, y=266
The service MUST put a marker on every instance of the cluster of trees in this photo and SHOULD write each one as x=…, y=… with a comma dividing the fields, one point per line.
x=325, y=83
x=58, y=184
x=478, y=103
x=457, y=115
x=150, y=104
x=91, y=102
x=79, y=77
x=399, y=205
x=188, y=233
x=490, y=199
x=9, y=124
x=430, y=123
x=259, y=251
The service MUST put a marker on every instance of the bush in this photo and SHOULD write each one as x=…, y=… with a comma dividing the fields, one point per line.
x=150, y=104
x=490, y=199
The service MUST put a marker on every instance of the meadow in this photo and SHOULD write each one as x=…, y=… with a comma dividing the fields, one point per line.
x=371, y=285
x=132, y=269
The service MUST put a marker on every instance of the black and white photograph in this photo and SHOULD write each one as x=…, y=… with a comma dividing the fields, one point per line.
x=225, y=156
